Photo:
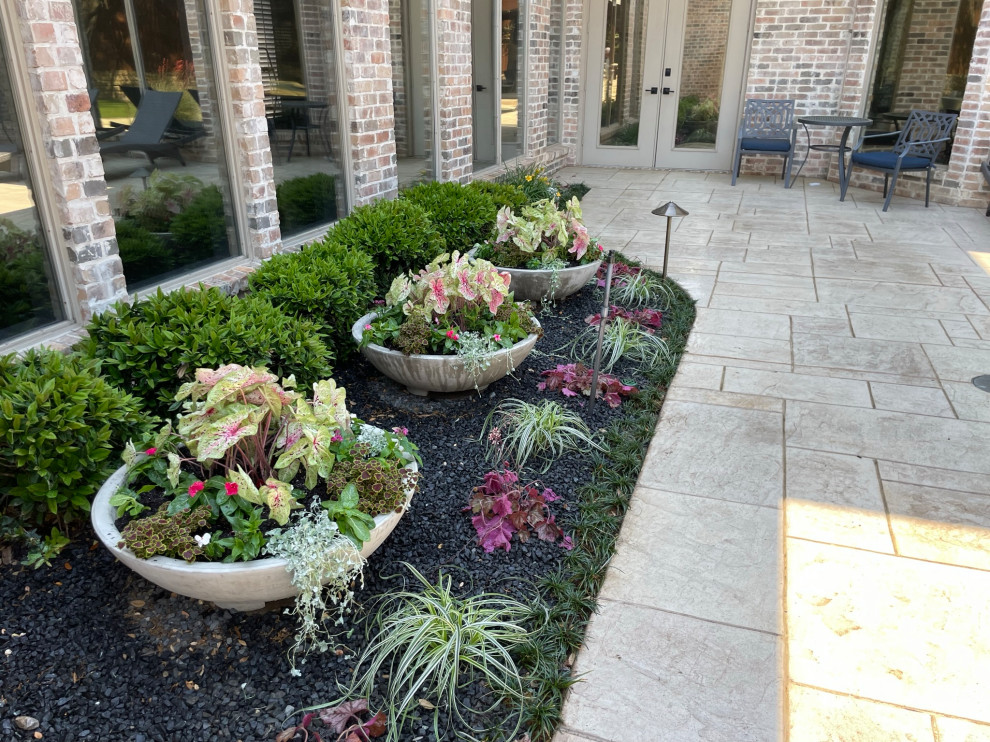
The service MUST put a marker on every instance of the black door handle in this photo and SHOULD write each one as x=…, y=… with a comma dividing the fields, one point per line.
x=653, y=91
x=667, y=91
x=480, y=88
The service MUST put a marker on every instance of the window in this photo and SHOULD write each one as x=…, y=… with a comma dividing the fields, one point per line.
x=27, y=282
x=153, y=86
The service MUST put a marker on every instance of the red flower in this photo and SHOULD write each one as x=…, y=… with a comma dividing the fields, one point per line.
x=195, y=488
x=151, y=451
x=231, y=488
x=452, y=335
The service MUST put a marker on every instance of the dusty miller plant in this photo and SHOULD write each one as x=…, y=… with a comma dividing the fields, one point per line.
x=317, y=553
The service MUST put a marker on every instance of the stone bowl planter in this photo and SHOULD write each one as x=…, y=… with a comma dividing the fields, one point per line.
x=529, y=284
x=239, y=586
x=421, y=373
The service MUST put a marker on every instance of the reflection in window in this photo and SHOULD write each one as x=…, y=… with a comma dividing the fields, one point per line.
x=706, y=35
x=297, y=71
x=153, y=87
x=622, y=72
x=412, y=89
x=923, y=60
x=27, y=284
x=512, y=75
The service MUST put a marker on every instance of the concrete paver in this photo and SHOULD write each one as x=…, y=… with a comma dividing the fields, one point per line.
x=807, y=554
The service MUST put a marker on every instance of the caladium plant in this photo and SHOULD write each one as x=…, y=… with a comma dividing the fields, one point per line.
x=574, y=379
x=502, y=507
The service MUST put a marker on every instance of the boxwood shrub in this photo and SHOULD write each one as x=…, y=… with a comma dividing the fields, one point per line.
x=463, y=215
x=152, y=347
x=327, y=282
x=501, y=194
x=61, y=426
x=398, y=235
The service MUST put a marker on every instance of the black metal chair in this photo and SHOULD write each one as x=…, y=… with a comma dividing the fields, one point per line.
x=918, y=146
x=147, y=133
x=985, y=167
x=767, y=128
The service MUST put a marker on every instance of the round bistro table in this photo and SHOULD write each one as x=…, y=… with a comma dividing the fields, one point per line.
x=846, y=123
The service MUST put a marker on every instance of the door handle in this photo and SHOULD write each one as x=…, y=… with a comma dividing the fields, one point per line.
x=480, y=88
x=653, y=91
x=667, y=91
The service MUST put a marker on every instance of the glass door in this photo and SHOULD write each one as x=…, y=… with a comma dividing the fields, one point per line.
x=670, y=74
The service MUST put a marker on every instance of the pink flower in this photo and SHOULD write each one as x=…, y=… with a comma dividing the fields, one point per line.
x=231, y=488
x=401, y=431
x=336, y=437
x=367, y=327
x=195, y=488
x=151, y=451
x=496, y=337
x=452, y=335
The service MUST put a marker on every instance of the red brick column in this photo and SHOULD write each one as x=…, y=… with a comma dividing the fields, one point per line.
x=455, y=158
x=368, y=61
x=536, y=120
x=570, y=103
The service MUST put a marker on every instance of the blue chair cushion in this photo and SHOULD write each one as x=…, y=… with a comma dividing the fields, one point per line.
x=767, y=145
x=888, y=161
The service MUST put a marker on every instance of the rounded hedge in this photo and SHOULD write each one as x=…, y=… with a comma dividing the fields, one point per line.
x=463, y=215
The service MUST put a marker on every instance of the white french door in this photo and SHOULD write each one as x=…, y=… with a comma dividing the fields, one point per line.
x=670, y=74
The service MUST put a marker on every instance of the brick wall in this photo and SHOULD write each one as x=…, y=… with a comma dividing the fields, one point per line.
x=368, y=60
x=535, y=72
x=454, y=90
x=571, y=88
x=926, y=56
x=75, y=171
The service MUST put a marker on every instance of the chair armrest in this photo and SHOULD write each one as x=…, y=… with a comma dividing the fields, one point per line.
x=881, y=135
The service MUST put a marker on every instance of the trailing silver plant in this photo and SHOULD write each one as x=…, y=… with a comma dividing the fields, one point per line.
x=475, y=352
x=324, y=564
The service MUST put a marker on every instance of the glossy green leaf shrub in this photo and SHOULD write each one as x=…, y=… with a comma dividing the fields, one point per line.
x=59, y=422
x=327, y=282
x=152, y=347
x=501, y=194
x=463, y=215
x=398, y=235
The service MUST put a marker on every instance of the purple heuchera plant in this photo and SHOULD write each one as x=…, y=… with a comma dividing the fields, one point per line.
x=502, y=507
x=574, y=379
x=651, y=319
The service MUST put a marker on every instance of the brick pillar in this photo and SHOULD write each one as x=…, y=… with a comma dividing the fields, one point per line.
x=368, y=59
x=251, y=146
x=72, y=155
x=537, y=15
x=455, y=161
x=570, y=103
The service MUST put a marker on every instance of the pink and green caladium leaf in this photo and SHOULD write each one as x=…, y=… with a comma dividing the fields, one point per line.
x=245, y=487
x=173, y=469
x=239, y=381
x=221, y=435
x=280, y=501
x=329, y=404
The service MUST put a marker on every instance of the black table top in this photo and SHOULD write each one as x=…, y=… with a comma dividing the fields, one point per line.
x=835, y=121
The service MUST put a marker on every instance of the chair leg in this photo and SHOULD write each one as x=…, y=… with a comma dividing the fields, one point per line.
x=292, y=143
x=788, y=165
x=844, y=184
x=928, y=185
x=889, y=194
x=735, y=167
x=886, y=180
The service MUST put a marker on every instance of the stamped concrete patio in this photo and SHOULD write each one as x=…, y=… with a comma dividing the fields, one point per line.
x=807, y=554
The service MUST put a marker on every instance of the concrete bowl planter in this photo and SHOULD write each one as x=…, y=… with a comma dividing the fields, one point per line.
x=537, y=285
x=421, y=373
x=240, y=586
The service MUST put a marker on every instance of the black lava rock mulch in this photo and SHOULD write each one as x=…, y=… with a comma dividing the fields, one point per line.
x=95, y=652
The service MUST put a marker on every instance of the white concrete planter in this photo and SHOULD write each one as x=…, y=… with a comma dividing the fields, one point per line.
x=421, y=373
x=239, y=586
x=534, y=285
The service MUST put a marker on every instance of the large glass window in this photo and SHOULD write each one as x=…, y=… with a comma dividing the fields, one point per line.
x=412, y=89
x=28, y=290
x=923, y=60
x=153, y=88
x=295, y=45
x=513, y=76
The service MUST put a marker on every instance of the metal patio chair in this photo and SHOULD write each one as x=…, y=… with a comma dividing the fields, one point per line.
x=767, y=128
x=147, y=133
x=918, y=145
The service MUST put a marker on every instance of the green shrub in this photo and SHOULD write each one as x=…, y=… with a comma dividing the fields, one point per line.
x=143, y=254
x=328, y=283
x=305, y=201
x=463, y=215
x=501, y=194
x=398, y=235
x=199, y=231
x=151, y=348
x=59, y=423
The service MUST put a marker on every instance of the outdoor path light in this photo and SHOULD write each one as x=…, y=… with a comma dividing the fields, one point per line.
x=669, y=210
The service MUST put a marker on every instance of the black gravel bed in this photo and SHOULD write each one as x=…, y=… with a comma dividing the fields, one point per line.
x=95, y=652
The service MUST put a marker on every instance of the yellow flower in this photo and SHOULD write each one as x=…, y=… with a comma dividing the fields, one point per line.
x=544, y=180
x=558, y=194
x=529, y=178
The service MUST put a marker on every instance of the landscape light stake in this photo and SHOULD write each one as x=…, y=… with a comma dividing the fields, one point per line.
x=668, y=210
x=601, y=332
